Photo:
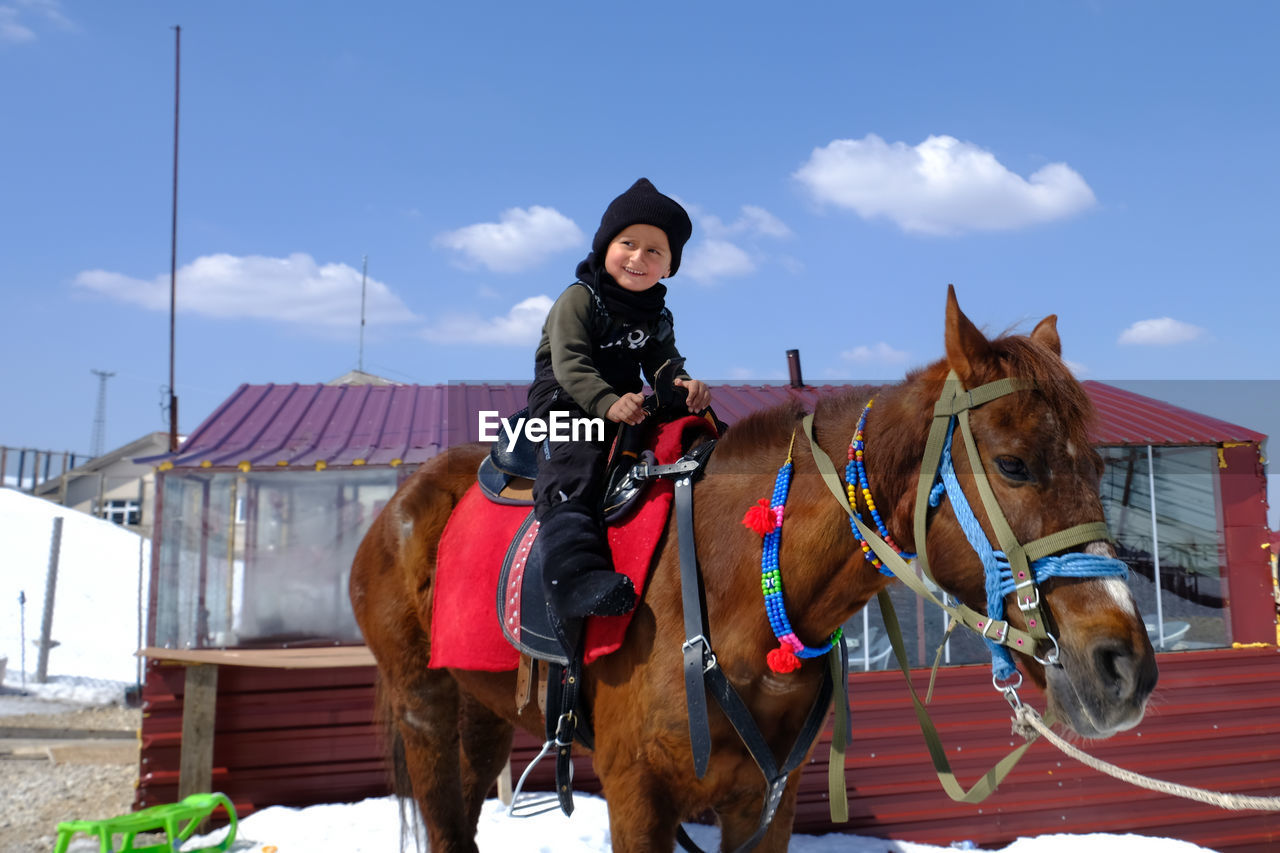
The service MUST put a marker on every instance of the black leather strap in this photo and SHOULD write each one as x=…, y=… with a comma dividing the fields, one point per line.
x=562, y=724
x=745, y=725
x=702, y=672
x=697, y=646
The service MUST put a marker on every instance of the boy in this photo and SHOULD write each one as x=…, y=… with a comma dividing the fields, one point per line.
x=605, y=328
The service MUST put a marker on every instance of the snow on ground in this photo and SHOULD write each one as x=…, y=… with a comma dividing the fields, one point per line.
x=372, y=826
x=96, y=597
x=95, y=623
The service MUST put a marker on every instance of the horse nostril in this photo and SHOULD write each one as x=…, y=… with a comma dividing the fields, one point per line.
x=1116, y=668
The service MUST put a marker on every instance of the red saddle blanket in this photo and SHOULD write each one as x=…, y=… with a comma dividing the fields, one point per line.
x=465, y=633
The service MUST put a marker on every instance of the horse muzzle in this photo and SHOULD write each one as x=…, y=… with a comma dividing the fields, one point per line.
x=1101, y=687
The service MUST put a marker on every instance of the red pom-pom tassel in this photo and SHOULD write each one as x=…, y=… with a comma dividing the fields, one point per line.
x=760, y=518
x=782, y=660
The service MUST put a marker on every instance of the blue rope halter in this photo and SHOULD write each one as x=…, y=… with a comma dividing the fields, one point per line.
x=998, y=572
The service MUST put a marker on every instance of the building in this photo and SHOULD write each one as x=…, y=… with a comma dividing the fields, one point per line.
x=261, y=510
x=113, y=486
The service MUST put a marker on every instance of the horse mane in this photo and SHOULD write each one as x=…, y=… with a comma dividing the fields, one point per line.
x=748, y=441
x=1022, y=357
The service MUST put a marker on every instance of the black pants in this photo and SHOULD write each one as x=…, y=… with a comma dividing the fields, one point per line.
x=567, y=470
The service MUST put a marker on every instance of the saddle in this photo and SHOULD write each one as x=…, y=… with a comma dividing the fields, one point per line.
x=506, y=475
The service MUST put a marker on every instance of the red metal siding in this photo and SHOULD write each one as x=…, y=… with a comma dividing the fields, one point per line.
x=1243, y=490
x=298, y=737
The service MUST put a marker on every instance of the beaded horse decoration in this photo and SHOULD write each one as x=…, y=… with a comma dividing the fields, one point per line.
x=765, y=518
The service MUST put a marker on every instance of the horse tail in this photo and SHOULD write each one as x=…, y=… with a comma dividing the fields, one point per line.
x=411, y=828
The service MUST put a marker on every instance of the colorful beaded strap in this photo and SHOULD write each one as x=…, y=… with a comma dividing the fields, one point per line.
x=766, y=519
x=855, y=478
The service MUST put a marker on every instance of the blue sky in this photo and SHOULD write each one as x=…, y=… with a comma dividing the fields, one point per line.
x=1111, y=162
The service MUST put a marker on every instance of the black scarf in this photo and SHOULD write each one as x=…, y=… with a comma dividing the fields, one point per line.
x=644, y=306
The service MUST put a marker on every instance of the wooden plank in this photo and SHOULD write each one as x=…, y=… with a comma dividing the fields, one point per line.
x=200, y=700
x=325, y=657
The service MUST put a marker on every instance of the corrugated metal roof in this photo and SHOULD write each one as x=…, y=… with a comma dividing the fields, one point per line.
x=1125, y=417
x=318, y=426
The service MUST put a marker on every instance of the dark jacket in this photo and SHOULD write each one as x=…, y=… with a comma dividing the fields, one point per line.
x=594, y=355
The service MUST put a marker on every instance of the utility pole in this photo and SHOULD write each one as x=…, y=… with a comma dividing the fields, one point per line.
x=173, y=243
x=96, y=443
x=364, y=277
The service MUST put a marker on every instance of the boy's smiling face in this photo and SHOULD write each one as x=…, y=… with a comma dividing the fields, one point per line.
x=638, y=257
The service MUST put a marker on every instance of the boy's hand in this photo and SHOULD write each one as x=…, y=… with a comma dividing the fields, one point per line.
x=627, y=409
x=698, y=395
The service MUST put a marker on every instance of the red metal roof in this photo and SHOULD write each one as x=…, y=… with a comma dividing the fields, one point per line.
x=317, y=426
x=1128, y=418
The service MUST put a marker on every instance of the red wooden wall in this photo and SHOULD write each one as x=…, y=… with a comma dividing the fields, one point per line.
x=299, y=737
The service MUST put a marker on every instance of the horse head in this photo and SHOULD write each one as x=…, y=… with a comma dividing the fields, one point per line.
x=1092, y=656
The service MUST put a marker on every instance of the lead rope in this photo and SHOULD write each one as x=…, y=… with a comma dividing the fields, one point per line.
x=1027, y=723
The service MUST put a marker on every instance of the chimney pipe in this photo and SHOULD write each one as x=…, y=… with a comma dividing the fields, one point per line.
x=793, y=367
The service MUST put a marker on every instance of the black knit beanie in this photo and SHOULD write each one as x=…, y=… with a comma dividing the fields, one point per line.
x=642, y=204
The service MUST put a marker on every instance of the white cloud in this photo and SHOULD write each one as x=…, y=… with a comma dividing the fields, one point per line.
x=753, y=221
x=1161, y=331
x=709, y=260
x=292, y=290
x=14, y=16
x=12, y=30
x=878, y=353
x=521, y=326
x=941, y=186
x=519, y=240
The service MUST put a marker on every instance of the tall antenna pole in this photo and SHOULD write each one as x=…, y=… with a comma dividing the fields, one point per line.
x=96, y=443
x=173, y=242
x=364, y=276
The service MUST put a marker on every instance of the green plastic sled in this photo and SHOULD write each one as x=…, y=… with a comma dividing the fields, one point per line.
x=178, y=821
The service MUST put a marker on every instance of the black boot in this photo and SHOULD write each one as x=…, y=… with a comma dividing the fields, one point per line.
x=577, y=570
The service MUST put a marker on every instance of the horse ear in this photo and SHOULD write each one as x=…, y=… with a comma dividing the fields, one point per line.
x=966, y=346
x=1046, y=334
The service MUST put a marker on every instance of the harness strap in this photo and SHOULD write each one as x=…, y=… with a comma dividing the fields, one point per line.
x=702, y=673
x=744, y=724
x=984, y=787
x=697, y=648
x=562, y=724
x=841, y=734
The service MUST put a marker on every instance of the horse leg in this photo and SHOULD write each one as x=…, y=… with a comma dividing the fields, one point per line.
x=485, y=746
x=642, y=817
x=426, y=717
x=739, y=823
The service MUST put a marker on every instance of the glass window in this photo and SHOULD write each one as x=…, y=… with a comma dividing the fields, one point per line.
x=1183, y=605
x=1184, y=602
x=123, y=512
x=262, y=558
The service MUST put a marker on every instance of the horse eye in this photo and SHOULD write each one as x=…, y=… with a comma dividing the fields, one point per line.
x=1013, y=468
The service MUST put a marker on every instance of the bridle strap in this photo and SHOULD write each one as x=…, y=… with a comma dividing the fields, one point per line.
x=1090, y=531
x=996, y=630
x=1013, y=550
x=962, y=400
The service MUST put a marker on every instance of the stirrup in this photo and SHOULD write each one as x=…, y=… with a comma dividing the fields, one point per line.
x=535, y=804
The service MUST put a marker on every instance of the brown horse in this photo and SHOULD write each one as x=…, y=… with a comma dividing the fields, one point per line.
x=455, y=727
